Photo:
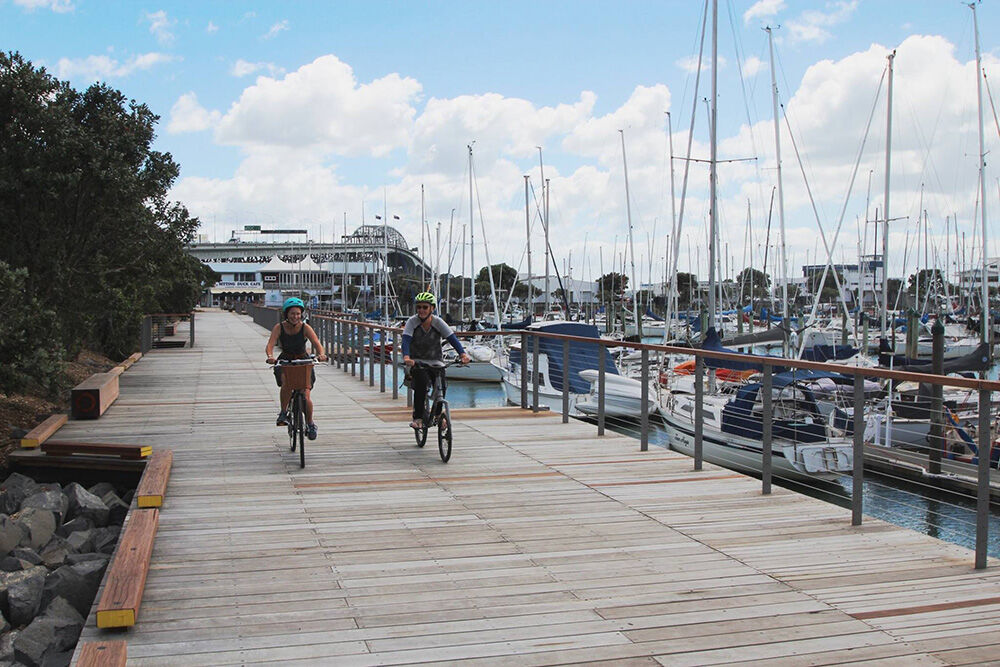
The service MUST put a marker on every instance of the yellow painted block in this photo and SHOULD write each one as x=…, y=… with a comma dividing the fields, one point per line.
x=30, y=443
x=149, y=501
x=116, y=618
x=146, y=451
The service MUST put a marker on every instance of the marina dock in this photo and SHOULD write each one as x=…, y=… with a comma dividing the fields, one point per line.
x=538, y=543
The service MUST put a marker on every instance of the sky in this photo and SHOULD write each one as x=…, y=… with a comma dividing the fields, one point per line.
x=321, y=115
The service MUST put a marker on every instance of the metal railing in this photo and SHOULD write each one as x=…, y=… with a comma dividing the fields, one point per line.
x=364, y=349
x=164, y=330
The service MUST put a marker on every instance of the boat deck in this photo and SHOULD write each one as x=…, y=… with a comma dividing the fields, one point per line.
x=539, y=543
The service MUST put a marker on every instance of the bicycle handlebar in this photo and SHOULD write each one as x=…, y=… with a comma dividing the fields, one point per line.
x=308, y=361
x=417, y=363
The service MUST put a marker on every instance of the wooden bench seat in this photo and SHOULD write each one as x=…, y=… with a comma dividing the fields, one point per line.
x=131, y=360
x=92, y=397
x=153, y=485
x=126, y=576
x=43, y=431
x=102, y=654
x=116, y=449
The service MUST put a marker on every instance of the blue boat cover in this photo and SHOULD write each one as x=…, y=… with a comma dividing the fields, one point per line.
x=738, y=416
x=582, y=356
x=713, y=343
x=828, y=352
x=653, y=316
x=523, y=324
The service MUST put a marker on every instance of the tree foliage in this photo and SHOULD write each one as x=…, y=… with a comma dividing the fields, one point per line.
x=612, y=285
x=753, y=284
x=83, y=197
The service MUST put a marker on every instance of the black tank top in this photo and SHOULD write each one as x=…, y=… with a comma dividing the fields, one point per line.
x=292, y=345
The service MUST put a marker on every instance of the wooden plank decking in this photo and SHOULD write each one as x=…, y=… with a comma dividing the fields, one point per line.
x=539, y=543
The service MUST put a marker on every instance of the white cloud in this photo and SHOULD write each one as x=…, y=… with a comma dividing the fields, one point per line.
x=187, y=115
x=95, y=68
x=57, y=6
x=278, y=27
x=211, y=27
x=763, y=9
x=753, y=65
x=322, y=105
x=690, y=63
x=160, y=26
x=243, y=68
x=811, y=25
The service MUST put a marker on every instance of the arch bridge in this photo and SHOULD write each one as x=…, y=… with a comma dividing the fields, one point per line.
x=368, y=243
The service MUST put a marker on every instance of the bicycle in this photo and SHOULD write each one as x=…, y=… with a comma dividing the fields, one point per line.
x=434, y=407
x=297, y=375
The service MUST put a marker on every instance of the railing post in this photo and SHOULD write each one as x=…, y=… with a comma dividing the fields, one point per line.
x=766, y=439
x=699, y=408
x=395, y=365
x=371, y=357
x=381, y=360
x=858, y=458
x=983, y=489
x=601, y=356
x=524, y=371
x=192, y=328
x=353, y=343
x=534, y=375
x=337, y=341
x=565, y=388
x=644, y=423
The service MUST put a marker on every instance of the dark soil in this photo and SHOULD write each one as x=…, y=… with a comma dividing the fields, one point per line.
x=22, y=412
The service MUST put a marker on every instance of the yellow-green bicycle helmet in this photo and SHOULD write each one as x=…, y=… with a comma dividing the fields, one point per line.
x=426, y=297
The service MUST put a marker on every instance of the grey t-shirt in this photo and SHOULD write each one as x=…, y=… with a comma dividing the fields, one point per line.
x=426, y=345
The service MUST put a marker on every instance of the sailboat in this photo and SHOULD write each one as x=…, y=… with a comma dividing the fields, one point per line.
x=805, y=444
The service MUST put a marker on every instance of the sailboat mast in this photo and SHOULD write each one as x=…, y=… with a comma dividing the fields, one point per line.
x=545, y=223
x=713, y=167
x=472, y=239
x=781, y=194
x=982, y=181
x=631, y=244
x=527, y=235
x=885, y=207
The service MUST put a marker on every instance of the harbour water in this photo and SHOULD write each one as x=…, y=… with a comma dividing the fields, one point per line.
x=942, y=515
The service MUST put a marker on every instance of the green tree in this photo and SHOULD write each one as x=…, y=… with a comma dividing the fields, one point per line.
x=687, y=289
x=828, y=292
x=753, y=283
x=84, y=200
x=612, y=285
x=504, y=278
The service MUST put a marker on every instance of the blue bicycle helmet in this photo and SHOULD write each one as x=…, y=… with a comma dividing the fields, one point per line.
x=292, y=302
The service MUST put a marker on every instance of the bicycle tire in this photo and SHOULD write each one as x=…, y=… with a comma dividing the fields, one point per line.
x=302, y=431
x=444, y=432
x=291, y=424
x=421, y=433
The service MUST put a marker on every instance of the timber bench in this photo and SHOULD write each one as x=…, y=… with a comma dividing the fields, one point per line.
x=43, y=431
x=102, y=654
x=153, y=485
x=92, y=397
x=115, y=449
x=126, y=576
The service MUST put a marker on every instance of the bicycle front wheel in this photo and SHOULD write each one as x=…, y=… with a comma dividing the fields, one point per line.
x=421, y=433
x=444, y=432
x=301, y=428
x=293, y=416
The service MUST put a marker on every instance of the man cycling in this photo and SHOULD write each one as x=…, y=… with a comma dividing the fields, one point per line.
x=292, y=333
x=422, y=342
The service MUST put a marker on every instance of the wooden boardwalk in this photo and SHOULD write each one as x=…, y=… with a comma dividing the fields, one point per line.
x=539, y=543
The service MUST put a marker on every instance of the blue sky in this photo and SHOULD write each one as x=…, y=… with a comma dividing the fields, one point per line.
x=296, y=113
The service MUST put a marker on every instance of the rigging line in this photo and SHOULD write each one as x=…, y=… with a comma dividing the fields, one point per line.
x=847, y=198
x=486, y=245
x=989, y=93
x=687, y=165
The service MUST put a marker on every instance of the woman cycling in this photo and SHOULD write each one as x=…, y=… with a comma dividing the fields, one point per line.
x=291, y=333
x=422, y=341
